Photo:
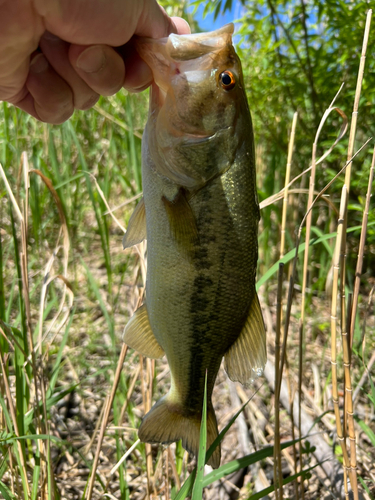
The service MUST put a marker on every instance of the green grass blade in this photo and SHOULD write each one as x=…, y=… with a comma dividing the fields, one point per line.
x=57, y=365
x=366, y=488
x=270, y=489
x=102, y=225
x=5, y=491
x=103, y=307
x=179, y=456
x=240, y=463
x=220, y=437
x=372, y=397
x=2, y=298
x=198, y=483
x=320, y=234
x=290, y=255
x=366, y=429
x=230, y=467
x=52, y=400
x=133, y=149
x=36, y=473
x=188, y=484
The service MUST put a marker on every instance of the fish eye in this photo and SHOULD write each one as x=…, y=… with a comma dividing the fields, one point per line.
x=227, y=80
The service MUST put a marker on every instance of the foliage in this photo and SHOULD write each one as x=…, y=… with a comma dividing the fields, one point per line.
x=295, y=56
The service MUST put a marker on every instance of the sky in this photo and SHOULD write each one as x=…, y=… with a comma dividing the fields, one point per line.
x=208, y=23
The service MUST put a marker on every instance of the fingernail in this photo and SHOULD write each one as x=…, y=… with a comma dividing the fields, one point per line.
x=91, y=60
x=38, y=64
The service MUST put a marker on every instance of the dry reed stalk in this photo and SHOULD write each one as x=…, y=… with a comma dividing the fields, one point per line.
x=174, y=469
x=166, y=479
x=348, y=405
x=67, y=288
x=278, y=374
x=108, y=405
x=334, y=304
x=277, y=472
x=145, y=410
x=287, y=180
x=148, y=400
x=353, y=125
x=308, y=218
x=358, y=271
x=348, y=340
x=303, y=299
x=44, y=448
x=323, y=451
x=293, y=274
x=122, y=459
x=128, y=394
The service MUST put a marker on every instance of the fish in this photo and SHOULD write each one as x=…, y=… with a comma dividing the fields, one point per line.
x=200, y=216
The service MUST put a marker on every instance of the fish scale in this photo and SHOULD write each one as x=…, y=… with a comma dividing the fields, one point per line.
x=200, y=215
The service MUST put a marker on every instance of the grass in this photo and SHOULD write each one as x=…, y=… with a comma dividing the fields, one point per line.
x=72, y=397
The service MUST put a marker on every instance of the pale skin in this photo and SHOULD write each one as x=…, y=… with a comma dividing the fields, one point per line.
x=61, y=55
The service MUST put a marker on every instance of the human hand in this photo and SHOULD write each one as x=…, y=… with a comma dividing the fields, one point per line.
x=59, y=55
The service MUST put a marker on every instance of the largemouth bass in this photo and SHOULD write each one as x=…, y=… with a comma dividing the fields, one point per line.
x=200, y=216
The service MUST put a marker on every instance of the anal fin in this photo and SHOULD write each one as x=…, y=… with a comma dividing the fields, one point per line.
x=136, y=231
x=245, y=359
x=139, y=336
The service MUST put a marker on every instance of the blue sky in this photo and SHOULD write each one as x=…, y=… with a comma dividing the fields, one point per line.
x=208, y=23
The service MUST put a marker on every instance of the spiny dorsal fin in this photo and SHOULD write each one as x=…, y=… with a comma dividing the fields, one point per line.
x=139, y=336
x=137, y=226
x=246, y=358
x=182, y=223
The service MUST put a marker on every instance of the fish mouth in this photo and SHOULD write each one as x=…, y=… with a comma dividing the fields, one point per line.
x=192, y=46
x=179, y=53
x=184, y=47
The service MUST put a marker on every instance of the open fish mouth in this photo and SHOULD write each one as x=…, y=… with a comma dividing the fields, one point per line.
x=179, y=53
x=185, y=47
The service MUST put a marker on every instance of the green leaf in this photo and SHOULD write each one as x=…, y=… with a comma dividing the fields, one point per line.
x=287, y=480
x=366, y=488
x=5, y=491
x=290, y=255
x=230, y=467
x=198, y=483
x=188, y=484
x=241, y=463
x=366, y=429
x=179, y=456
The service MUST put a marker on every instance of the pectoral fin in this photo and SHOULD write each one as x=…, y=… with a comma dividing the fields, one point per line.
x=182, y=223
x=137, y=226
x=246, y=358
x=139, y=335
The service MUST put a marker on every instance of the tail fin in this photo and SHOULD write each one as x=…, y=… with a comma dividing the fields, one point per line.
x=165, y=423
